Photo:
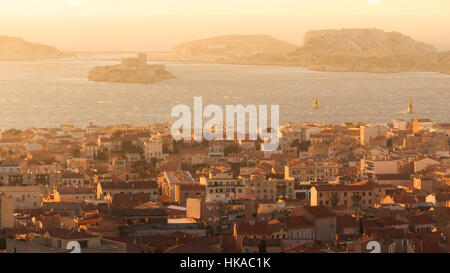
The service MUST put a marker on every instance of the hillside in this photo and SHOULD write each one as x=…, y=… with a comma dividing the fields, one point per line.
x=17, y=49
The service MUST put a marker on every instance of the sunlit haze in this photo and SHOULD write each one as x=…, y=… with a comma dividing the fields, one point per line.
x=113, y=25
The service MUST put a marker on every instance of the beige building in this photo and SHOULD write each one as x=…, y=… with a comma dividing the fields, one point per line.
x=221, y=186
x=261, y=188
x=170, y=180
x=361, y=196
x=272, y=189
x=10, y=172
x=6, y=211
x=371, y=131
x=323, y=220
x=74, y=194
x=311, y=170
x=421, y=125
x=153, y=149
x=109, y=189
x=26, y=197
x=190, y=157
x=185, y=191
x=221, y=216
x=371, y=168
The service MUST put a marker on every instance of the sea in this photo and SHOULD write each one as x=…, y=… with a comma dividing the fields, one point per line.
x=47, y=93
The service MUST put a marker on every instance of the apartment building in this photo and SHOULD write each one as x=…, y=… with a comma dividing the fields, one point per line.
x=153, y=149
x=306, y=170
x=363, y=195
x=322, y=219
x=170, y=181
x=109, y=189
x=221, y=186
x=370, y=132
x=221, y=216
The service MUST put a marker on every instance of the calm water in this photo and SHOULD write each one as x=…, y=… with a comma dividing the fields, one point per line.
x=48, y=93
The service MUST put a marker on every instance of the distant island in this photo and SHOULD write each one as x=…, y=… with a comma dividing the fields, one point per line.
x=367, y=50
x=17, y=49
x=235, y=49
x=345, y=50
x=131, y=70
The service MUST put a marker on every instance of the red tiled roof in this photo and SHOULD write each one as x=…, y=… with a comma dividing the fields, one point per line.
x=382, y=222
x=258, y=228
x=366, y=187
x=346, y=221
x=192, y=187
x=319, y=211
x=68, y=234
x=422, y=219
x=149, y=184
x=296, y=222
x=72, y=176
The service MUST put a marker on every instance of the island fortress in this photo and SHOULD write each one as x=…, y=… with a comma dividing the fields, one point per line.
x=130, y=70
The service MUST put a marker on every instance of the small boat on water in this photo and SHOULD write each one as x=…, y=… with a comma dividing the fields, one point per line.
x=316, y=103
x=410, y=107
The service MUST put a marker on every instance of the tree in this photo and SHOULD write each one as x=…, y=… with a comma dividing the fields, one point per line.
x=76, y=153
x=275, y=176
x=304, y=146
x=389, y=143
x=301, y=146
x=101, y=156
x=209, y=230
x=153, y=162
x=144, y=169
x=231, y=149
x=407, y=168
x=361, y=227
x=117, y=133
x=236, y=168
x=128, y=147
x=262, y=248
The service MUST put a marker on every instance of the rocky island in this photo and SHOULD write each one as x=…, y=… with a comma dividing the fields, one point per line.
x=241, y=49
x=131, y=70
x=367, y=50
x=339, y=50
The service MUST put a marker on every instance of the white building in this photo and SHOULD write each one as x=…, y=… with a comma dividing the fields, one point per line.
x=370, y=168
x=221, y=186
x=400, y=124
x=26, y=197
x=153, y=149
x=372, y=131
x=215, y=149
x=6, y=211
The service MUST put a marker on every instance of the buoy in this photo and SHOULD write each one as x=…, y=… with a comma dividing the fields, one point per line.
x=410, y=107
x=316, y=103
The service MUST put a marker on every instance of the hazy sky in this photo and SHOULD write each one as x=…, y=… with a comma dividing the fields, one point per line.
x=161, y=24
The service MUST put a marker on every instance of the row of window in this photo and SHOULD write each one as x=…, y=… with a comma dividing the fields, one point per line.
x=328, y=194
x=222, y=190
x=222, y=183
